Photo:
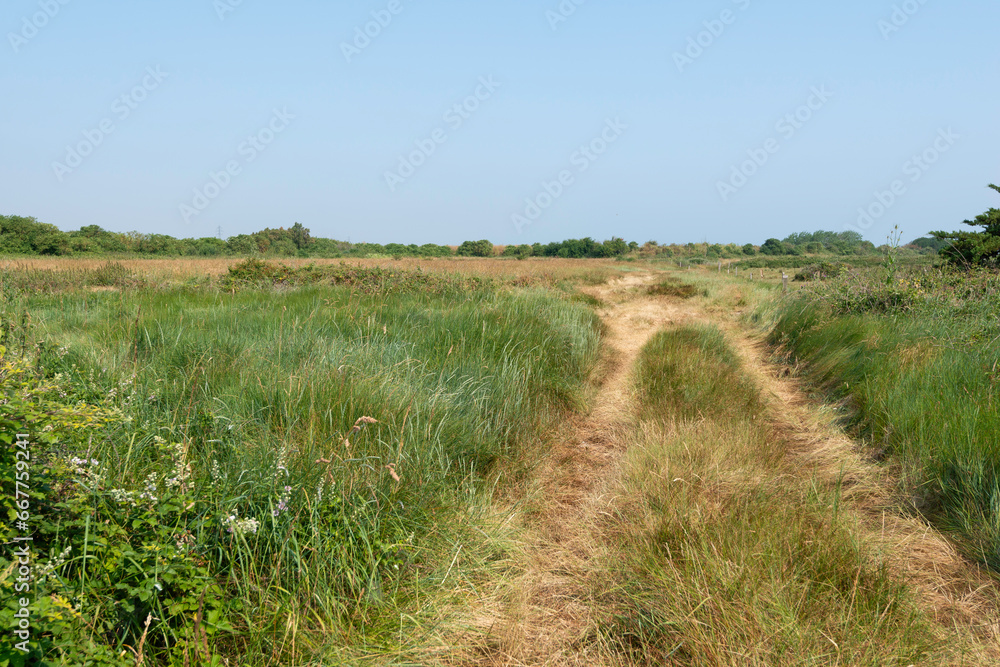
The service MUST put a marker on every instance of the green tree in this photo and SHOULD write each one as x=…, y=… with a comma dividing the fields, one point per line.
x=772, y=247
x=616, y=247
x=241, y=244
x=481, y=248
x=26, y=236
x=300, y=236
x=518, y=251
x=974, y=248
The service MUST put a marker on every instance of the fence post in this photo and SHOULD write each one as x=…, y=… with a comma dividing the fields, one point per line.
x=784, y=282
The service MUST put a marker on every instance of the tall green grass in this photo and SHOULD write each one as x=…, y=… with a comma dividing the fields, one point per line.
x=721, y=555
x=355, y=550
x=921, y=386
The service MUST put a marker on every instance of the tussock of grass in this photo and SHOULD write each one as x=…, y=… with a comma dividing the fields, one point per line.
x=721, y=558
x=673, y=287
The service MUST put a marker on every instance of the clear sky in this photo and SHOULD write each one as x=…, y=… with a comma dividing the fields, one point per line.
x=725, y=120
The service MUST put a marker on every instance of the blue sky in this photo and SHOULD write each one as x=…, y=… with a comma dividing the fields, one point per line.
x=726, y=121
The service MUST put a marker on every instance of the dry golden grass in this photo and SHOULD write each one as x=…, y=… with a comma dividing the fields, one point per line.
x=588, y=271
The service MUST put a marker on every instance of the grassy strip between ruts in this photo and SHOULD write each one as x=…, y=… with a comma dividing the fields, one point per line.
x=266, y=477
x=721, y=555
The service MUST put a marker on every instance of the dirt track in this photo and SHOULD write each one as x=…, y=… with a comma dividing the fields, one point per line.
x=547, y=622
x=548, y=619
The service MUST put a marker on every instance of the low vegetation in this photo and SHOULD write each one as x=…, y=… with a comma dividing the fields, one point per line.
x=671, y=286
x=237, y=461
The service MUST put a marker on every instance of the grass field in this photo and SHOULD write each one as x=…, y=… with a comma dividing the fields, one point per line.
x=268, y=473
x=64, y=273
x=498, y=462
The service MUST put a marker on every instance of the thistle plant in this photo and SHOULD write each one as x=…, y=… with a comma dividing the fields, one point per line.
x=890, y=262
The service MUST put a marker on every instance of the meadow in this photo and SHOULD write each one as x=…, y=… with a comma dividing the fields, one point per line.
x=253, y=463
x=262, y=474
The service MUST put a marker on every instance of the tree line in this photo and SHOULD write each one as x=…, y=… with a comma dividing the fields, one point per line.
x=27, y=236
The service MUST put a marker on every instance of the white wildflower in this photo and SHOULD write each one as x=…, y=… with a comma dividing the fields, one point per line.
x=239, y=526
x=182, y=469
x=216, y=472
x=53, y=564
x=152, y=482
x=122, y=496
x=281, y=465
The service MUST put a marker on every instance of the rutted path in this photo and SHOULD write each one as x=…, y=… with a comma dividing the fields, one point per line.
x=547, y=618
x=950, y=589
x=547, y=621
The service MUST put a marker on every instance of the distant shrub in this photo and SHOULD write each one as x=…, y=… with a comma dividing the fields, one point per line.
x=483, y=248
x=673, y=287
x=114, y=274
x=369, y=280
x=820, y=271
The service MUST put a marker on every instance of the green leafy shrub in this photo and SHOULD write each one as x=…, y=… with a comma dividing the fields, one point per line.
x=820, y=271
x=369, y=280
